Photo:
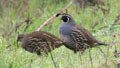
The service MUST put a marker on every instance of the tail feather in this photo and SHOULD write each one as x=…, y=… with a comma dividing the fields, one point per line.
x=101, y=43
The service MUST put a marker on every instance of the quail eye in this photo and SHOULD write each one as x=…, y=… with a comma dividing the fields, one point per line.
x=65, y=18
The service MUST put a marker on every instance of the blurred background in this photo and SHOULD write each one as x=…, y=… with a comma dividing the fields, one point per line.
x=100, y=17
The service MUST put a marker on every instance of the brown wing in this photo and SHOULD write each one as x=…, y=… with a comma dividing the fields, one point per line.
x=34, y=43
x=47, y=37
x=79, y=38
x=90, y=38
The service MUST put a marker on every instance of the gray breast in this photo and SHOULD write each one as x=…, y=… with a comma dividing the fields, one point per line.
x=66, y=29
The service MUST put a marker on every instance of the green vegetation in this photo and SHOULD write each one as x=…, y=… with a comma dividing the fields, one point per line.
x=16, y=11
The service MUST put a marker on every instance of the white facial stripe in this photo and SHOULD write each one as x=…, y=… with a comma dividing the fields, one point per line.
x=68, y=19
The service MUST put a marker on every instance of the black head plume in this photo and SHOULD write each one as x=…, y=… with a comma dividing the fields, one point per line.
x=58, y=14
x=66, y=17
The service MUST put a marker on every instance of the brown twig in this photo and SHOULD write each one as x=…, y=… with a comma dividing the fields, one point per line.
x=80, y=57
x=90, y=57
x=116, y=54
x=28, y=23
x=53, y=60
x=104, y=10
x=113, y=24
x=30, y=66
x=54, y=16
x=103, y=54
x=117, y=18
x=21, y=23
x=95, y=24
x=108, y=50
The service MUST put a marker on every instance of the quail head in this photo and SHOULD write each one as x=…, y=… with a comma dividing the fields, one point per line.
x=77, y=37
x=39, y=41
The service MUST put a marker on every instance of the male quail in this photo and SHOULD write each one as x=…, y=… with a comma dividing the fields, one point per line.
x=39, y=41
x=77, y=37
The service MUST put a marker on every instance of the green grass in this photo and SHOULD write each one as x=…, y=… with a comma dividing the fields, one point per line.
x=39, y=11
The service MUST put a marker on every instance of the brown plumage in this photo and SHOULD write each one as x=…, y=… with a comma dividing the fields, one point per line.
x=39, y=41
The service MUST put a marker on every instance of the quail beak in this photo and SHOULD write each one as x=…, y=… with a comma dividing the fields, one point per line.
x=58, y=14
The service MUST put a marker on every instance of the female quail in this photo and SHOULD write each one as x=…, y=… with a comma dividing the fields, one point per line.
x=39, y=41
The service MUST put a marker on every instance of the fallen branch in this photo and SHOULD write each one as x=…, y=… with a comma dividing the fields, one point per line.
x=54, y=16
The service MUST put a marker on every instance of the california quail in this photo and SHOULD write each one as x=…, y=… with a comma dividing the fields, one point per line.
x=39, y=41
x=77, y=37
